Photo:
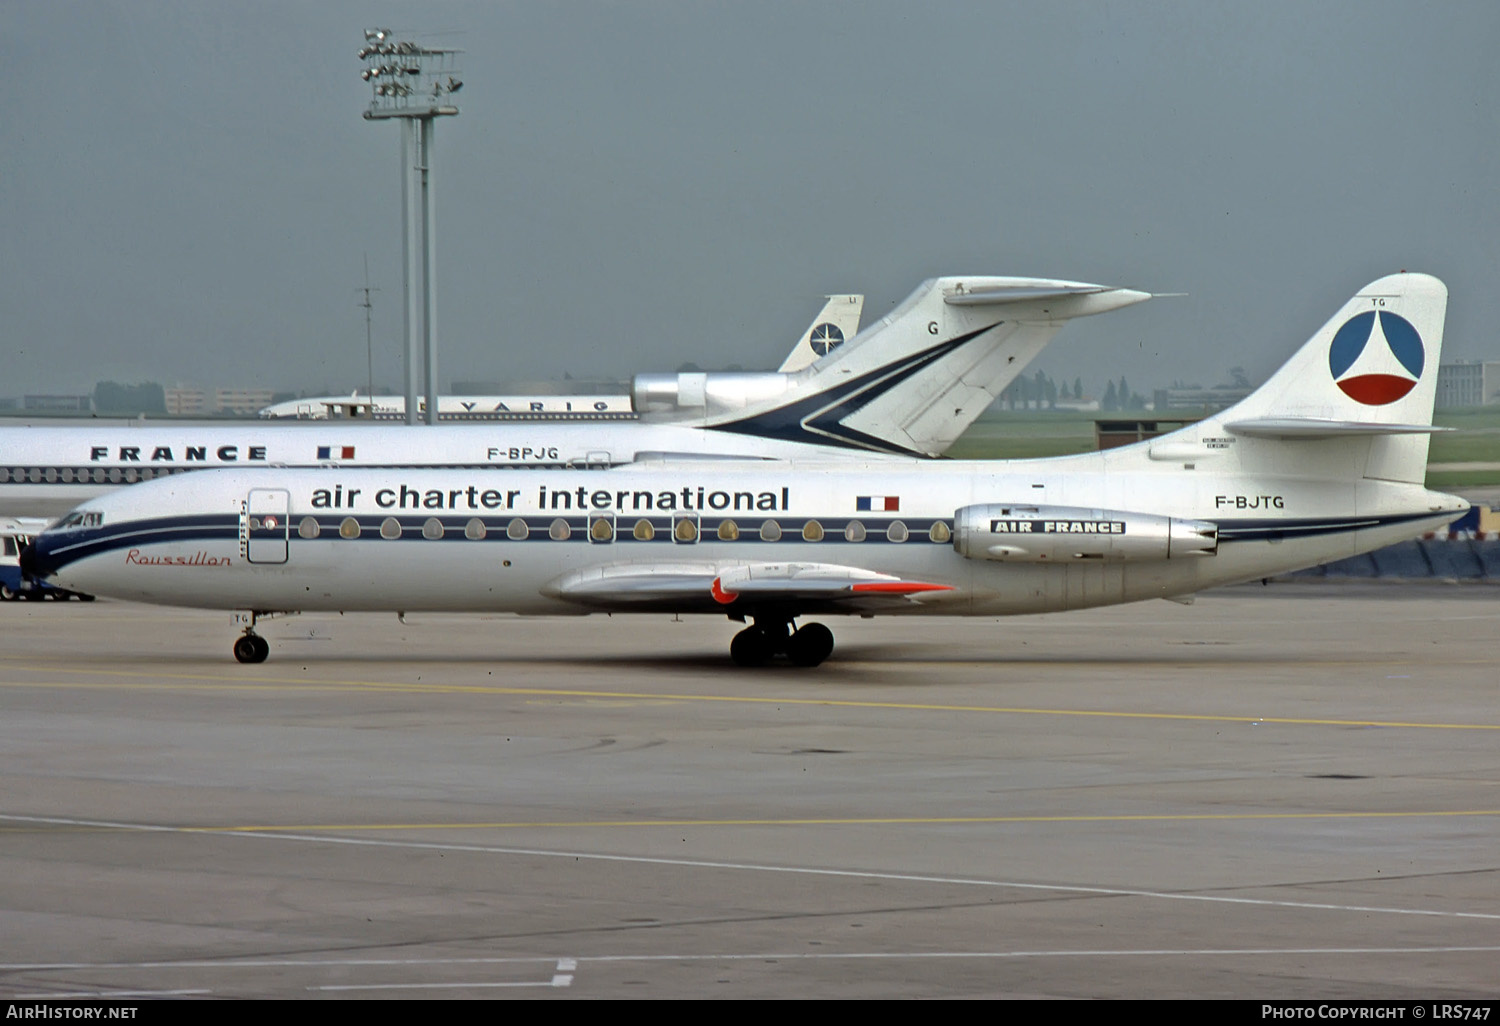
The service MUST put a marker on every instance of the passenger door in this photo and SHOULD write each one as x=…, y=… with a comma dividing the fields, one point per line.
x=265, y=525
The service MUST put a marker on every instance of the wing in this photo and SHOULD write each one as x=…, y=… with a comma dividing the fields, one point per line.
x=707, y=587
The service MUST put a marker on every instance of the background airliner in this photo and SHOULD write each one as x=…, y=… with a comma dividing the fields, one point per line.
x=909, y=384
x=1325, y=460
x=836, y=322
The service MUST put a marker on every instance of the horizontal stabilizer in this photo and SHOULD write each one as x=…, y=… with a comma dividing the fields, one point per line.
x=1314, y=427
x=995, y=295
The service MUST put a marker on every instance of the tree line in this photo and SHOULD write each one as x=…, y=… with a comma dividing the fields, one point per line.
x=1040, y=391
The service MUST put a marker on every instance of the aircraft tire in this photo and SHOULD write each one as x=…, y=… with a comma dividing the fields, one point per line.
x=251, y=648
x=751, y=647
x=7, y=593
x=809, y=645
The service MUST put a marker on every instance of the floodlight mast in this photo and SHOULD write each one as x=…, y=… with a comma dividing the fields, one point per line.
x=414, y=83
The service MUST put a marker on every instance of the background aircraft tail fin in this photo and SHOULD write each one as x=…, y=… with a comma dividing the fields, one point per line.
x=913, y=381
x=837, y=322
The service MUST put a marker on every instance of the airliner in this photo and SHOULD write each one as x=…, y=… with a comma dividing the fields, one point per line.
x=909, y=385
x=1325, y=460
x=837, y=321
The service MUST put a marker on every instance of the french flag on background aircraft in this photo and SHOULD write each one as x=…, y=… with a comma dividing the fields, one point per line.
x=335, y=452
x=878, y=504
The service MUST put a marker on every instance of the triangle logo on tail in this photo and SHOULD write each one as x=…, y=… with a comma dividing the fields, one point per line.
x=1376, y=357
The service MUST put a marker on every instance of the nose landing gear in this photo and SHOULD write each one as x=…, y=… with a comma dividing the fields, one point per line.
x=808, y=645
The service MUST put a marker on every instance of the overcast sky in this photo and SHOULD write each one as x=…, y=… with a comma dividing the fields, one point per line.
x=188, y=190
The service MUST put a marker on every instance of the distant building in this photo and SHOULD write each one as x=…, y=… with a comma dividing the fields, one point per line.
x=1075, y=405
x=1473, y=383
x=57, y=403
x=1217, y=398
x=247, y=401
x=1115, y=432
x=185, y=402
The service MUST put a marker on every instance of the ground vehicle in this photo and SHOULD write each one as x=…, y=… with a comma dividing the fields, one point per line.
x=15, y=534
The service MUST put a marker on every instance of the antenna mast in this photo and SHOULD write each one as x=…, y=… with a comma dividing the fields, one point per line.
x=369, y=345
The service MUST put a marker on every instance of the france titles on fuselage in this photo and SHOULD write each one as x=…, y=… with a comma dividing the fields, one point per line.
x=909, y=384
x=1305, y=470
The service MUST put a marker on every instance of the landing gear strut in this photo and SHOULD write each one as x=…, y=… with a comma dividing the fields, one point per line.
x=808, y=645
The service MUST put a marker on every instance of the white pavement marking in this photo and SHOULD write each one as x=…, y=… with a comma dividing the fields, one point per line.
x=563, y=980
x=853, y=874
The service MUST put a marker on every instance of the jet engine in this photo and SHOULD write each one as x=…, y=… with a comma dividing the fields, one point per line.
x=700, y=394
x=1035, y=534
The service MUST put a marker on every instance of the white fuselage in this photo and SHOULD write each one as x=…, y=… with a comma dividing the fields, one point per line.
x=456, y=407
x=504, y=540
x=46, y=471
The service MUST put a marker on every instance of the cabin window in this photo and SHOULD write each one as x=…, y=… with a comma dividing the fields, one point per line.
x=602, y=528
x=729, y=531
x=516, y=530
x=307, y=527
x=390, y=528
x=855, y=532
x=559, y=531
x=812, y=531
x=897, y=532
x=474, y=529
x=349, y=528
x=643, y=530
x=685, y=530
x=770, y=531
x=940, y=533
x=432, y=528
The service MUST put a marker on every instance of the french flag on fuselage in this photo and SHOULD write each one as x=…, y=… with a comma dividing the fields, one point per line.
x=878, y=504
x=335, y=452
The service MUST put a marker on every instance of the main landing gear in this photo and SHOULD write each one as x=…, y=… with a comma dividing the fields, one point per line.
x=808, y=645
x=250, y=647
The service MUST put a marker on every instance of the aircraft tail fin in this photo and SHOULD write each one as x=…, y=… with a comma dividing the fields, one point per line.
x=916, y=379
x=1357, y=397
x=836, y=322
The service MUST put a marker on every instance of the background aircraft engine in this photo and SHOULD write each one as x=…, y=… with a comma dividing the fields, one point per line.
x=1034, y=534
x=705, y=393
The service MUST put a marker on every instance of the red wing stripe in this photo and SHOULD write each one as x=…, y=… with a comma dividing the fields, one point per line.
x=900, y=587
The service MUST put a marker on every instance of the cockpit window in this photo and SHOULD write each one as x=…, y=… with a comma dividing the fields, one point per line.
x=83, y=518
